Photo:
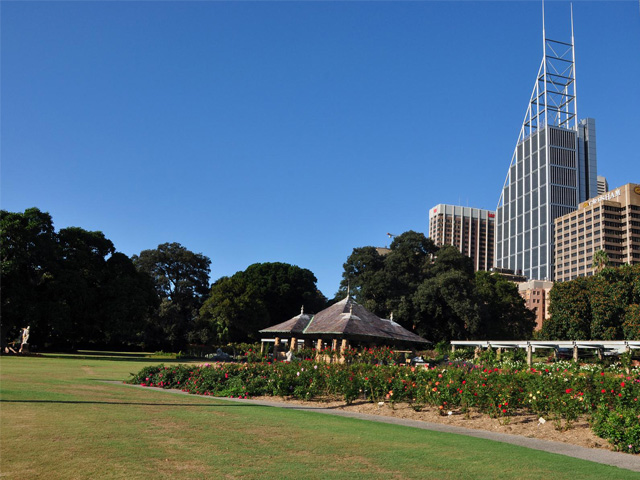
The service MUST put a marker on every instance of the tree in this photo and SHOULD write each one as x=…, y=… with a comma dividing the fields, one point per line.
x=504, y=315
x=386, y=283
x=128, y=299
x=600, y=307
x=181, y=280
x=600, y=260
x=365, y=278
x=262, y=295
x=447, y=308
x=78, y=317
x=71, y=287
x=570, y=311
x=28, y=255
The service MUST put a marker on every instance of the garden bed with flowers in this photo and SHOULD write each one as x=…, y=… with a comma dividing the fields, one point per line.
x=561, y=394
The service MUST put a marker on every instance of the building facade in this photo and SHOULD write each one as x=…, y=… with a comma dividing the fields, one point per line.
x=536, y=298
x=603, y=185
x=553, y=168
x=609, y=222
x=471, y=230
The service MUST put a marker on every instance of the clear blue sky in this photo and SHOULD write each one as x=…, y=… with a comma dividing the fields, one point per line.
x=289, y=131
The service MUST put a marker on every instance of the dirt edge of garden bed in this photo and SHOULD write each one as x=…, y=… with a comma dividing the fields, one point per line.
x=521, y=423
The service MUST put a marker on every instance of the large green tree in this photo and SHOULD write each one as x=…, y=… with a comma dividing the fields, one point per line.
x=600, y=307
x=28, y=255
x=181, y=280
x=386, y=283
x=71, y=287
x=502, y=309
x=435, y=292
x=262, y=295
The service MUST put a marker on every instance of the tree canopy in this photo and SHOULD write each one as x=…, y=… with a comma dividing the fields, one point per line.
x=262, y=295
x=434, y=291
x=605, y=306
x=181, y=280
x=71, y=287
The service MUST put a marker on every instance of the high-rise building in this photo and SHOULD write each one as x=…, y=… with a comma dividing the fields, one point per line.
x=603, y=185
x=471, y=230
x=609, y=222
x=552, y=170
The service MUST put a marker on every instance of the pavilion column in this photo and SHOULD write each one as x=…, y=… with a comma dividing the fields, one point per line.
x=334, y=348
x=477, y=352
x=555, y=354
x=294, y=344
x=344, y=346
x=529, y=355
x=575, y=353
x=498, y=352
x=453, y=348
x=261, y=348
x=600, y=353
x=276, y=348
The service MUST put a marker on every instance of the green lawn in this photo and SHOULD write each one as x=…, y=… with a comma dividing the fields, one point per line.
x=60, y=420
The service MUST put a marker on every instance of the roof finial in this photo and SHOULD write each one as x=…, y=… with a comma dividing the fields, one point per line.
x=348, y=290
x=391, y=317
x=302, y=310
x=351, y=309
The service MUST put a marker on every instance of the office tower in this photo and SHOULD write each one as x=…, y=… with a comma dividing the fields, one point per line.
x=609, y=222
x=471, y=230
x=552, y=170
x=603, y=185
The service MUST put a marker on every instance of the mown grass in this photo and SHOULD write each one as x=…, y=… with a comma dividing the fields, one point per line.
x=59, y=419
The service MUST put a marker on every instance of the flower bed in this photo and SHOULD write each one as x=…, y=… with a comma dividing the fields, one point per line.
x=560, y=393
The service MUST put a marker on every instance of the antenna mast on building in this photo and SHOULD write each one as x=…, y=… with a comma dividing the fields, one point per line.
x=553, y=99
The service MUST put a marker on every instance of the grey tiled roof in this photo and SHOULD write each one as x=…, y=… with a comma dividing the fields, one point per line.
x=294, y=325
x=351, y=319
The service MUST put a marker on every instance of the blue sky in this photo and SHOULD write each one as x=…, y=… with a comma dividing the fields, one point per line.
x=289, y=131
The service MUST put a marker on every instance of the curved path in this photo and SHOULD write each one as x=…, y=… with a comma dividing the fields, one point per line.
x=607, y=457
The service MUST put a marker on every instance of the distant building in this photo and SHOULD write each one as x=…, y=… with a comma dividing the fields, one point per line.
x=509, y=275
x=603, y=185
x=609, y=222
x=536, y=297
x=470, y=230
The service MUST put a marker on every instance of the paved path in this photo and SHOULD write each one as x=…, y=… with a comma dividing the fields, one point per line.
x=607, y=457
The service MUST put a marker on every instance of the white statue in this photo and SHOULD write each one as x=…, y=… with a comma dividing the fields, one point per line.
x=24, y=337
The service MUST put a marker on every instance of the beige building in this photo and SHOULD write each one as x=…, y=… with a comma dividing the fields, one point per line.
x=536, y=297
x=471, y=230
x=609, y=222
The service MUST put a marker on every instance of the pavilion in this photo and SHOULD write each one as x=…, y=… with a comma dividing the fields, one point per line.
x=346, y=322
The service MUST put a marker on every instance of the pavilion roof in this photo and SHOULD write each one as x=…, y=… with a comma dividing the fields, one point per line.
x=296, y=324
x=350, y=319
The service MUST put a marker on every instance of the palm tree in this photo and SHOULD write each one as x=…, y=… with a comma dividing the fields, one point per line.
x=600, y=261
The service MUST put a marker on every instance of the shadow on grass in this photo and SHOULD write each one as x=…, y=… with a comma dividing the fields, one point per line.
x=68, y=356
x=147, y=404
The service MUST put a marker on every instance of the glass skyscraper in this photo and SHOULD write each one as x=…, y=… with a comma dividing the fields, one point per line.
x=553, y=168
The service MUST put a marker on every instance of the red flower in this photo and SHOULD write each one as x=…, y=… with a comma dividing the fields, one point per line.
x=569, y=390
x=622, y=384
x=603, y=391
